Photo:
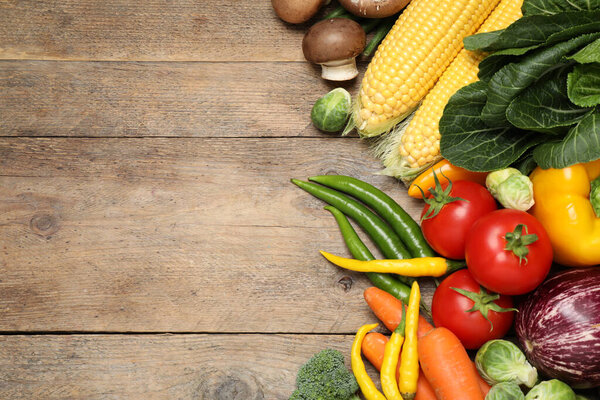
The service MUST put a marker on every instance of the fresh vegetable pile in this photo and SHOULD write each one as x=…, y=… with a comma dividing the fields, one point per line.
x=511, y=216
x=507, y=252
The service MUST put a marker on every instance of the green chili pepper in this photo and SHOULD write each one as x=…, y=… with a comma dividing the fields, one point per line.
x=337, y=12
x=384, y=237
x=359, y=251
x=380, y=33
x=405, y=227
x=369, y=24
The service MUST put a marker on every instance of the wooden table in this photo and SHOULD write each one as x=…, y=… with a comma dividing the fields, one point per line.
x=151, y=244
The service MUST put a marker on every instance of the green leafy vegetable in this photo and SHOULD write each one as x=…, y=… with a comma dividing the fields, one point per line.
x=583, y=85
x=482, y=40
x=520, y=33
x=467, y=141
x=573, y=32
x=526, y=164
x=545, y=107
x=582, y=144
x=549, y=7
x=538, y=99
x=589, y=54
x=492, y=63
x=513, y=78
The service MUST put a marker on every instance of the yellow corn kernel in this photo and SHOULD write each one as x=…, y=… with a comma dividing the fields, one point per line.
x=423, y=42
x=401, y=154
x=426, y=119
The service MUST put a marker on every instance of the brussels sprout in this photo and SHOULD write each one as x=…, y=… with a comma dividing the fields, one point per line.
x=580, y=397
x=331, y=111
x=505, y=391
x=502, y=361
x=551, y=390
x=511, y=188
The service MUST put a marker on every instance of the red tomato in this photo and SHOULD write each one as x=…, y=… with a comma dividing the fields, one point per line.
x=450, y=309
x=447, y=231
x=499, y=269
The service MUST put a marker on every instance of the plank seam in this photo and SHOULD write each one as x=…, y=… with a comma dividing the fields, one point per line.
x=145, y=333
x=157, y=61
x=177, y=137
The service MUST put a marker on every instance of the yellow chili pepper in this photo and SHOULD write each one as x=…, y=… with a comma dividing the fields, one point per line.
x=563, y=206
x=389, y=384
x=367, y=387
x=409, y=368
x=414, y=267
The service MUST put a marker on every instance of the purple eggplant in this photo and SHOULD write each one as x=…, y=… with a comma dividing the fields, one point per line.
x=558, y=327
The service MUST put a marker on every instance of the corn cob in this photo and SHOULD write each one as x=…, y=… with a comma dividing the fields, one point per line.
x=424, y=40
x=414, y=145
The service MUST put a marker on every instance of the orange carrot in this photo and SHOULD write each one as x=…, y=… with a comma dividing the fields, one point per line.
x=483, y=385
x=373, y=347
x=389, y=310
x=424, y=389
x=447, y=366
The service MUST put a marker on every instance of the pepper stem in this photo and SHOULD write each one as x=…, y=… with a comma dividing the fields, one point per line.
x=455, y=265
x=595, y=196
x=401, y=326
x=517, y=242
x=483, y=302
x=439, y=197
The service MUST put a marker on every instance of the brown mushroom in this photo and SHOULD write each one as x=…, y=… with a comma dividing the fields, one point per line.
x=374, y=8
x=297, y=11
x=334, y=43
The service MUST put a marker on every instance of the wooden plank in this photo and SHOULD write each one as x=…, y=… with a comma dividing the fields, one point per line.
x=204, y=367
x=159, y=99
x=152, y=30
x=176, y=235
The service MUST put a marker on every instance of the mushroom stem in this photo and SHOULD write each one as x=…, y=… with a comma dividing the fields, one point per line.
x=340, y=70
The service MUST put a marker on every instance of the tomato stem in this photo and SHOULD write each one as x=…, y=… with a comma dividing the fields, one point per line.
x=439, y=197
x=517, y=242
x=483, y=302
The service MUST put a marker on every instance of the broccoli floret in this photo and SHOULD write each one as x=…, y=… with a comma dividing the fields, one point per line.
x=325, y=377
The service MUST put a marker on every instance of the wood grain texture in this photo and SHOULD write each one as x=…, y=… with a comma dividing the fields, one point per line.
x=151, y=30
x=199, y=367
x=176, y=235
x=159, y=99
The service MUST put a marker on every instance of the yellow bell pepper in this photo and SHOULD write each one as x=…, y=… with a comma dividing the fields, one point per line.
x=563, y=206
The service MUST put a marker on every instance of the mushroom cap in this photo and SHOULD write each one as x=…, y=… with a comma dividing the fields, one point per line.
x=374, y=8
x=333, y=39
x=296, y=11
